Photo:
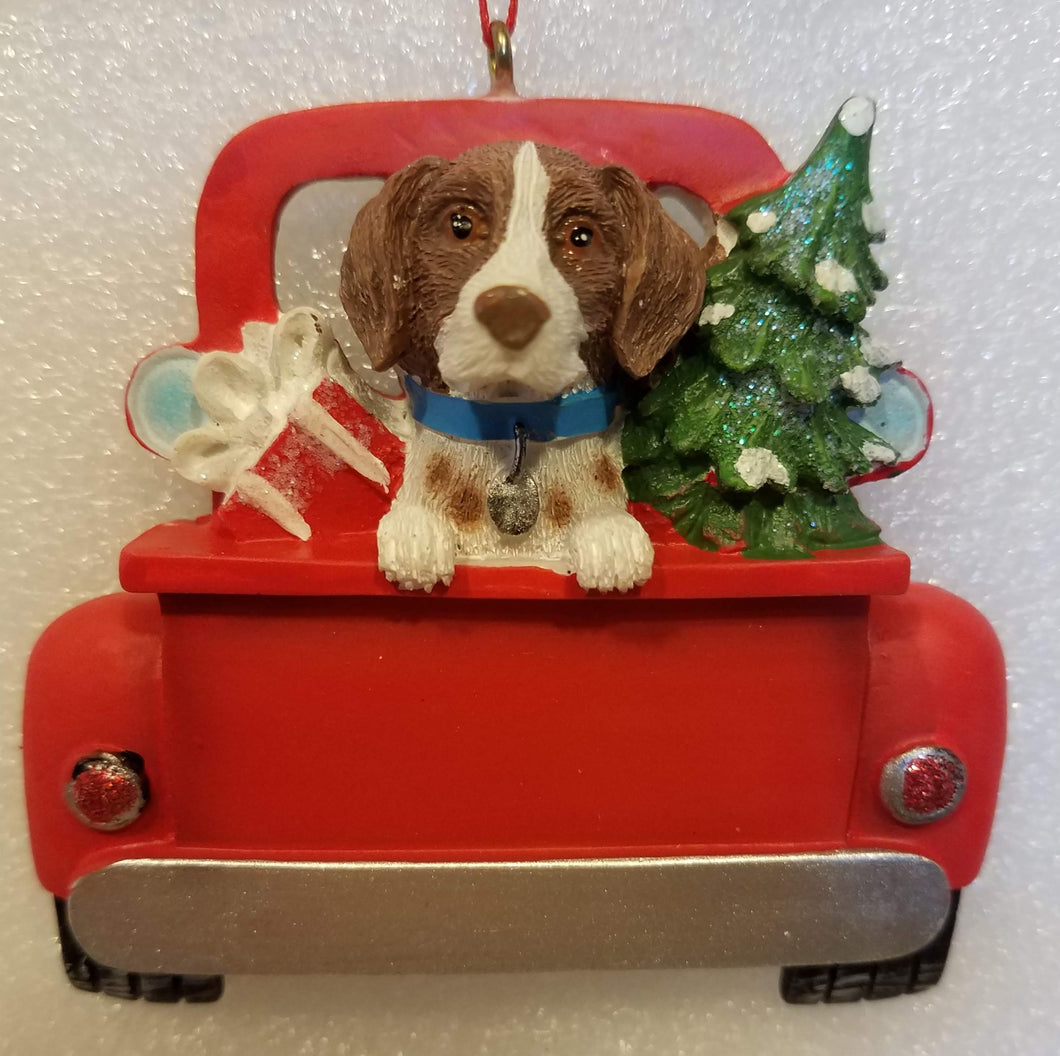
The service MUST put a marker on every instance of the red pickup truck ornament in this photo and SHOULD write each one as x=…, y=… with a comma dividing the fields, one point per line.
x=717, y=726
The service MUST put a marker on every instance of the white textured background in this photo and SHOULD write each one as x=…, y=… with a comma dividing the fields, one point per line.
x=110, y=113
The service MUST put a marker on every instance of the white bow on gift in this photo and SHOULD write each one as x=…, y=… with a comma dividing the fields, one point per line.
x=250, y=397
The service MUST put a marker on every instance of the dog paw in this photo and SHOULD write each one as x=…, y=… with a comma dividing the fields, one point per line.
x=415, y=548
x=611, y=551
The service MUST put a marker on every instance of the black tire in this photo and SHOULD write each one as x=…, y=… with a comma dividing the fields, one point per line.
x=88, y=974
x=838, y=983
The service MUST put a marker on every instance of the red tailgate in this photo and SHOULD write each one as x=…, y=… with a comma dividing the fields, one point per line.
x=477, y=728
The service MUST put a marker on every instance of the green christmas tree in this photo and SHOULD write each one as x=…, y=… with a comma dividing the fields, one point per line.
x=746, y=441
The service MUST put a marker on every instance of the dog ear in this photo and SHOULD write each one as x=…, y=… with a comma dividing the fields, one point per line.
x=664, y=279
x=374, y=279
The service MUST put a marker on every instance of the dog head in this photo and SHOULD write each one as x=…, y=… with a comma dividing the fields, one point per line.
x=518, y=270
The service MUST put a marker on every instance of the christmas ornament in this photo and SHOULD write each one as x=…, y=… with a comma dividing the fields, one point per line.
x=425, y=691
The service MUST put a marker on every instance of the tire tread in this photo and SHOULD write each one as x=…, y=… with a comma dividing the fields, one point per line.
x=845, y=983
x=85, y=973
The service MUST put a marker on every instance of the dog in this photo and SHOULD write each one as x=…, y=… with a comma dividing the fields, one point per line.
x=513, y=286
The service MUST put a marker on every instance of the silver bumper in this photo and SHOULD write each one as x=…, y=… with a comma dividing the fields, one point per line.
x=204, y=917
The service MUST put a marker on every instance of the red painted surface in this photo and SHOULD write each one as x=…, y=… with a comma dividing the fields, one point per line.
x=937, y=677
x=200, y=557
x=381, y=724
x=94, y=684
x=386, y=728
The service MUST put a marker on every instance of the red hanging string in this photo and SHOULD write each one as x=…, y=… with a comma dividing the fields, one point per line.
x=484, y=16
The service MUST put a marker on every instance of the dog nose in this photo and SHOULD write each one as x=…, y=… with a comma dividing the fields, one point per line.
x=512, y=314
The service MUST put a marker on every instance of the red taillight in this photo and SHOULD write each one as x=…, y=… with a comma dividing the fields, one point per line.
x=923, y=784
x=107, y=791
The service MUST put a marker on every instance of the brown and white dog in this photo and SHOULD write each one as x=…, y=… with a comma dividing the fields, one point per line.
x=517, y=272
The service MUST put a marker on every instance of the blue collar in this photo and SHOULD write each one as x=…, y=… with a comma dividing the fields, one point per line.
x=577, y=414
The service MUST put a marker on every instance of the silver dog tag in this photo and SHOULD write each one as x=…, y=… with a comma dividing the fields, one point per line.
x=512, y=498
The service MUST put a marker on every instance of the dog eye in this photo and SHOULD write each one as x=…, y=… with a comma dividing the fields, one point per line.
x=462, y=225
x=579, y=240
